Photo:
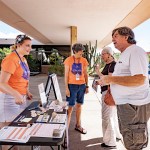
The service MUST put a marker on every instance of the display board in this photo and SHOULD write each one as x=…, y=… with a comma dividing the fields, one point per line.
x=42, y=94
x=52, y=83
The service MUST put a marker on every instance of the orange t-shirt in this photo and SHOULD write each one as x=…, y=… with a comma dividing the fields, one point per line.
x=72, y=77
x=19, y=73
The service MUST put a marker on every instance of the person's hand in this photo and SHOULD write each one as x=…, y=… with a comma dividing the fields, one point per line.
x=67, y=92
x=19, y=99
x=97, y=68
x=104, y=80
x=29, y=95
x=86, y=90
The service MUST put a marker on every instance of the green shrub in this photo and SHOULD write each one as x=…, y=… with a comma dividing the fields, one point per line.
x=33, y=64
x=3, y=53
x=57, y=69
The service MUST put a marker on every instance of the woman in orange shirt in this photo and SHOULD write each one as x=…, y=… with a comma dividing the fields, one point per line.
x=76, y=83
x=14, y=81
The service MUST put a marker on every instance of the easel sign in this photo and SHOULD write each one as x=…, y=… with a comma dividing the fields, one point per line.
x=52, y=82
x=48, y=86
x=56, y=88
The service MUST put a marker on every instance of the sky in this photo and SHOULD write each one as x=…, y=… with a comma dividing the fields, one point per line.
x=7, y=31
x=142, y=34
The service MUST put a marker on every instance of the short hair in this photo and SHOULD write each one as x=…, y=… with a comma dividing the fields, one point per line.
x=78, y=47
x=126, y=31
x=108, y=50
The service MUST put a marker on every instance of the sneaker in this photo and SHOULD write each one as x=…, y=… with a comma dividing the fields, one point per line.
x=107, y=146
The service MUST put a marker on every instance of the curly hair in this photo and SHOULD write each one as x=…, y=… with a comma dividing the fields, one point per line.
x=126, y=31
x=78, y=47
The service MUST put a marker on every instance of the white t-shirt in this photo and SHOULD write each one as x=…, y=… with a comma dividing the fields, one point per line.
x=132, y=61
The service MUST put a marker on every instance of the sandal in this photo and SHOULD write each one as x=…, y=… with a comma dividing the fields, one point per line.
x=107, y=146
x=80, y=129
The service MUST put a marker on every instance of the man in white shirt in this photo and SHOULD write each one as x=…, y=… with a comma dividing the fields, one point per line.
x=130, y=89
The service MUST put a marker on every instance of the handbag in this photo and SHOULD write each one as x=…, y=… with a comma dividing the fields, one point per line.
x=108, y=99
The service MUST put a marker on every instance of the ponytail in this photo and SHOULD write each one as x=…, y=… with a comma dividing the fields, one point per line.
x=13, y=47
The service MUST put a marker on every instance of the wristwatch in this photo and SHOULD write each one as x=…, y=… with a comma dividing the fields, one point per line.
x=87, y=86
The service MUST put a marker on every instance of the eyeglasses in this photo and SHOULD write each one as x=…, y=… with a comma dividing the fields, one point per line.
x=104, y=53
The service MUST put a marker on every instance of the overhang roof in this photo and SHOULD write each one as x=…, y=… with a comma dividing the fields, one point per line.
x=49, y=21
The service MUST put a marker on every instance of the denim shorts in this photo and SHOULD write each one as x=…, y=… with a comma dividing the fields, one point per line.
x=76, y=94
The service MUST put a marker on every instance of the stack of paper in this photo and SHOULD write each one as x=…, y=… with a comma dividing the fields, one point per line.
x=59, y=118
x=58, y=106
x=22, y=134
x=15, y=134
x=46, y=130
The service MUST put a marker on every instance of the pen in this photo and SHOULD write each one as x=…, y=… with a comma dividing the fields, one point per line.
x=21, y=124
x=21, y=118
x=25, y=124
x=33, y=108
x=18, y=119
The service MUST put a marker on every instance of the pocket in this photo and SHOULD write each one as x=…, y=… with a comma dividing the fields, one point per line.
x=139, y=132
x=133, y=107
x=122, y=67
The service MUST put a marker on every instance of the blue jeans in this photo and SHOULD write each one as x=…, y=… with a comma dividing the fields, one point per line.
x=76, y=94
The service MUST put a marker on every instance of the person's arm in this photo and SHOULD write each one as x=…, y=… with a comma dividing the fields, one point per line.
x=97, y=69
x=29, y=95
x=135, y=80
x=66, y=80
x=86, y=79
x=5, y=87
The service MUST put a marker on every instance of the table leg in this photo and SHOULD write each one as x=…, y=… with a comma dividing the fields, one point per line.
x=67, y=135
x=59, y=147
x=11, y=147
x=51, y=147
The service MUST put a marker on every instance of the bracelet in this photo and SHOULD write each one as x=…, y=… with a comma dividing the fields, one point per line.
x=87, y=86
